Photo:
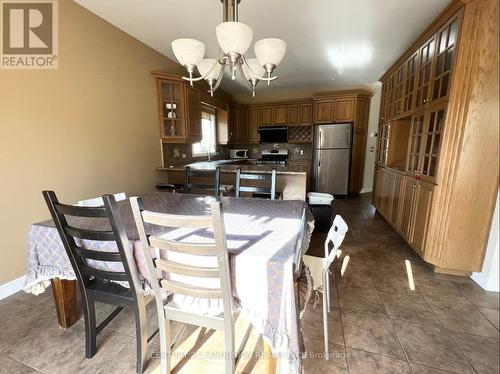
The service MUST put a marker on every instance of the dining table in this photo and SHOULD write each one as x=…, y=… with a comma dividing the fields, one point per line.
x=266, y=240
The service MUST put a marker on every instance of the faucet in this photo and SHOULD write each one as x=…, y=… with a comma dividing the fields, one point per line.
x=209, y=148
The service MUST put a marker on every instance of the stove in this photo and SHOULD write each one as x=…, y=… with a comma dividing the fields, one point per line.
x=276, y=156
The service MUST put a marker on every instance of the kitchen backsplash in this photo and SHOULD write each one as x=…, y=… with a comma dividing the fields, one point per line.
x=177, y=154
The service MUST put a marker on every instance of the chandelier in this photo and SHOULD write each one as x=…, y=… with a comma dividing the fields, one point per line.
x=234, y=40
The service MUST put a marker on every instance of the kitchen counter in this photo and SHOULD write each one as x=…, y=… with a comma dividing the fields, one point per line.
x=250, y=165
x=291, y=181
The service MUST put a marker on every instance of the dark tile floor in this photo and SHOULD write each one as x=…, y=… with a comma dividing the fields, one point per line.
x=378, y=324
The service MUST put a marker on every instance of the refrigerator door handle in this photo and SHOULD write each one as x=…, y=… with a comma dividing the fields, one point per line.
x=348, y=137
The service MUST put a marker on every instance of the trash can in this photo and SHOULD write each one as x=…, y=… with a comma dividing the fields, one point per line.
x=321, y=208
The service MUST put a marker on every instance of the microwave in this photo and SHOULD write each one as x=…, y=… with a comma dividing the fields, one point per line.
x=238, y=153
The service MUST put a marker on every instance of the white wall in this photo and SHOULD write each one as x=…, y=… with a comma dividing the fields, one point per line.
x=488, y=278
x=372, y=142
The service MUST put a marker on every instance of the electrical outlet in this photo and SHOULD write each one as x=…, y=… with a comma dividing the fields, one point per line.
x=372, y=149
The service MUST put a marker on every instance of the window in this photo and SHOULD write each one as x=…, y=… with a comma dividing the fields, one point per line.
x=208, y=136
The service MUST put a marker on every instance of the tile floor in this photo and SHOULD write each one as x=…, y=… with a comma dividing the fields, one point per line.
x=377, y=324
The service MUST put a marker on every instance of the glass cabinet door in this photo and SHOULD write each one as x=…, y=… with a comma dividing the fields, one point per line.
x=432, y=141
x=398, y=91
x=409, y=82
x=446, y=50
x=414, y=152
x=172, y=111
x=425, y=58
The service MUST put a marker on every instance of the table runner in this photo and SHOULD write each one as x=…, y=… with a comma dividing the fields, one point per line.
x=266, y=240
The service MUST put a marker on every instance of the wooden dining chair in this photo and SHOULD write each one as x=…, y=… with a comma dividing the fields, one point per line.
x=98, y=201
x=319, y=267
x=213, y=183
x=199, y=270
x=118, y=288
x=263, y=191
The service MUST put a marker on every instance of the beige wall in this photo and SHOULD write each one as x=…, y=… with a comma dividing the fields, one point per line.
x=87, y=128
x=372, y=142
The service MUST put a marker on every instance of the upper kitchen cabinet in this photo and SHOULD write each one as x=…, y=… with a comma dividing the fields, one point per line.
x=237, y=123
x=449, y=114
x=254, y=122
x=323, y=110
x=267, y=116
x=334, y=109
x=280, y=115
x=306, y=113
x=179, y=110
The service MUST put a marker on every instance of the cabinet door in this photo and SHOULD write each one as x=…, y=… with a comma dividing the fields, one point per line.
x=397, y=102
x=193, y=113
x=377, y=193
x=172, y=114
x=324, y=111
x=254, y=121
x=280, y=115
x=397, y=180
x=433, y=128
x=266, y=116
x=241, y=124
x=409, y=83
x=445, y=58
x=222, y=121
x=424, y=72
x=422, y=205
x=406, y=201
x=344, y=110
x=294, y=114
x=305, y=113
x=415, y=143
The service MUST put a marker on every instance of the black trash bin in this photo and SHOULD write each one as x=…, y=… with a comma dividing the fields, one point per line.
x=322, y=210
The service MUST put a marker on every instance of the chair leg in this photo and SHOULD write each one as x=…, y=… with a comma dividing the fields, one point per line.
x=229, y=349
x=141, y=332
x=165, y=345
x=90, y=327
x=327, y=287
x=325, y=318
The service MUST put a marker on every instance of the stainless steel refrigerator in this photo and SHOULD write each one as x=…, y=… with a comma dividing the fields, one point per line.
x=332, y=158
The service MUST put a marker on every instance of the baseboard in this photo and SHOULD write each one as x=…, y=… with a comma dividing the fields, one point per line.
x=484, y=283
x=365, y=190
x=11, y=287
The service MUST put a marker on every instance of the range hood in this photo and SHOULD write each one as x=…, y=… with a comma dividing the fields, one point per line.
x=273, y=134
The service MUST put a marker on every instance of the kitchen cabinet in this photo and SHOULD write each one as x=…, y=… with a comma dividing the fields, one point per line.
x=396, y=183
x=280, y=115
x=306, y=114
x=343, y=110
x=254, y=122
x=294, y=114
x=180, y=112
x=267, y=116
x=323, y=111
x=450, y=100
x=193, y=112
x=334, y=109
x=237, y=124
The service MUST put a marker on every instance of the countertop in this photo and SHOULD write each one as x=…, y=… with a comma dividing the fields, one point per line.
x=230, y=166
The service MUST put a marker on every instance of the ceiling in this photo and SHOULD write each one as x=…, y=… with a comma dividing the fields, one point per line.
x=332, y=44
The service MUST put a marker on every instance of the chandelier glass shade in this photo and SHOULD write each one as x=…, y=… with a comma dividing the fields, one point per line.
x=234, y=38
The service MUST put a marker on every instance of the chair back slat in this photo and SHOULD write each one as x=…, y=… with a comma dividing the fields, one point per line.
x=76, y=211
x=79, y=254
x=98, y=201
x=173, y=220
x=335, y=236
x=177, y=261
x=189, y=248
x=212, y=175
x=184, y=269
x=76, y=232
x=97, y=255
x=271, y=190
x=103, y=274
x=189, y=290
